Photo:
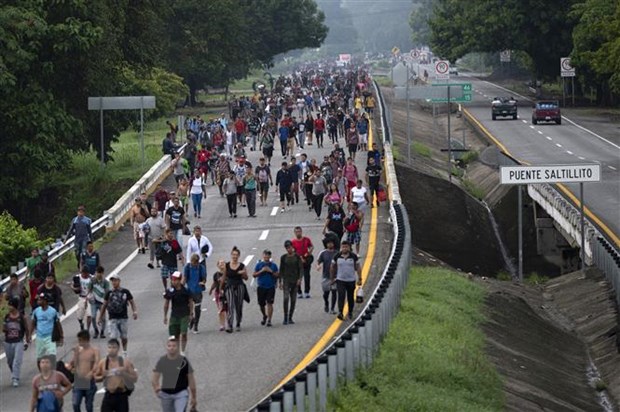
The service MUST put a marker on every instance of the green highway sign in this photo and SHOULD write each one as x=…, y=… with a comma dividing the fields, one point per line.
x=459, y=92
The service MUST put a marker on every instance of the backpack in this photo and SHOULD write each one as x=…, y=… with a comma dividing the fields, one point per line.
x=62, y=368
x=129, y=386
x=263, y=177
x=117, y=302
x=351, y=223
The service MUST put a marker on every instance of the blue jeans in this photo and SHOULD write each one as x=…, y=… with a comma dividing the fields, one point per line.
x=79, y=392
x=197, y=203
x=174, y=402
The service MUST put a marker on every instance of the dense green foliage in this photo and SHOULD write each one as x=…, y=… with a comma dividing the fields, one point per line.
x=432, y=358
x=55, y=54
x=17, y=242
x=545, y=30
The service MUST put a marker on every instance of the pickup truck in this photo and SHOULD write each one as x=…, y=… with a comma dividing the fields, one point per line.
x=504, y=107
x=546, y=111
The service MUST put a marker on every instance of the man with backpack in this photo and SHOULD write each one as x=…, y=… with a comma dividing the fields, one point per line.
x=118, y=376
x=115, y=302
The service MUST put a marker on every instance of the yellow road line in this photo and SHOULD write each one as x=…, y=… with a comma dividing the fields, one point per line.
x=560, y=186
x=333, y=328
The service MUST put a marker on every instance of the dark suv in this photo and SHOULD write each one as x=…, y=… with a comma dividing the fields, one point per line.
x=546, y=111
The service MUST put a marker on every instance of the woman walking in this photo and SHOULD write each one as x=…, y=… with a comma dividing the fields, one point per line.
x=230, y=190
x=235, y=274
x=249, y=186
x=197, y=192
x=319, y=187
x=218, y=293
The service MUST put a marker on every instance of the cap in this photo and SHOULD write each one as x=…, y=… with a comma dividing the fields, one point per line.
x=115, y=276
x=176, y=275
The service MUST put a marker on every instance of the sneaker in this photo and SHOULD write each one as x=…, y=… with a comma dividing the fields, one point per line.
x=238, y=328
x=285, y=321
x=332, y=312
x=15, y=383
x=150, y=266
x=235, y=216
x=326, y=309
x=268, y=323
x=158, y=265
x=229, y=330
x=221, y=329
x=307, y=296
x=291, y=322
x=96, y=334
x=195, y=331
x=340, y=316
x=282, y=210
x=264, y=320
x=102, y=336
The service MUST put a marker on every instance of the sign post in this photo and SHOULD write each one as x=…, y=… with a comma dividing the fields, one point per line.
x=121, y=103
x=442, y=70
x=567, y=70
x=572, y=173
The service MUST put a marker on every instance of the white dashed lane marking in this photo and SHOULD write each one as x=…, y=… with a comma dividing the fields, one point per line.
x=558, y=145
x=539, y=132
x=264, y=235
x=569, y=152
x=524, y=121
x=248, y=259
x=548, y=138
x=581, y=158
x=274, y=211
x=611, y=167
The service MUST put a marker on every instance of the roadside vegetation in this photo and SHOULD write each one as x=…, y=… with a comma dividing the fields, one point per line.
x=432, y=358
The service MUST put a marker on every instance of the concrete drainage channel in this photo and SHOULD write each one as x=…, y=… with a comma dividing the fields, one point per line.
x=357, y=345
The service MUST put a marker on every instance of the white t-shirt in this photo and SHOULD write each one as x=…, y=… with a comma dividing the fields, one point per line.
x=196, y=186
x=357, y=195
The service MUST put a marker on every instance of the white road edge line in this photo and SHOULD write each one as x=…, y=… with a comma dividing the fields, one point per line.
x=539, y=132
x=558, y=145
x=274, y=211
x=264, y=235
x=248, y=259
x=524, y=121
x=581, y=158
x=548, y=138
x=72, y=310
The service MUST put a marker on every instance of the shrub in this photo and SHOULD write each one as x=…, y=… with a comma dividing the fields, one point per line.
x=421, y=149
x=16, y=242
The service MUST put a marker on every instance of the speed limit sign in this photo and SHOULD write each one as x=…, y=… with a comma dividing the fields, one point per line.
x=442, y=69
x=566, y=69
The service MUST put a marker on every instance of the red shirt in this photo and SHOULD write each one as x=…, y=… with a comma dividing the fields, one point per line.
x=301, y=245
x=286, y=122
x=240, y=126
x=319, y=125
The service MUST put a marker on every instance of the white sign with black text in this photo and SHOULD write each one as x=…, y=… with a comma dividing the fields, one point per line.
x=576, y=173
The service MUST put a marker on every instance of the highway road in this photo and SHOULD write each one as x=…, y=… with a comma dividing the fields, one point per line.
x=234, y=371
x=548, y=143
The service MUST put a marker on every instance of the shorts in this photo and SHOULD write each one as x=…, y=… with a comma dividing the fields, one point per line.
x=118, y=328
x=83, y=308
x=240, y=190
x=177, y=326
x=166, y=271
x=364, y=138
x=264, y=186
x=354, y=237
x=45, y=346
x=353, y=147
x=265, y=295
x=268, y=151
x=290, y=143
x=285, y=195
x=137, y=231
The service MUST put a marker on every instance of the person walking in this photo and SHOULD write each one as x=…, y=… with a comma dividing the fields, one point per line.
x=49, y=387
x=324, y=264
x=197, y=192
x=176, y=218
x=157, y=226
x=289, y=280
x=319, y=187
x=200, y=245
x=284, y=181
x=249, y=187
x=80, y=227
x=16, y=338
x=53, y=293
x=335, y=221
x=266, y=275
x=173, y=380
x=90, y=258
x=97, y=290
x=263, y=173
x=194, y=279
x=16, y=290
x=217, y=290
x=118, y=376
x=353, y=225
x=84, y=362
x=345, y=272
x=170, y=252
x=44, y=319
x=230, y=190
x=373, y=175
x=304, y=248
x=81, y=286
x=179, y=300
x=235, y=274
x=115, y=302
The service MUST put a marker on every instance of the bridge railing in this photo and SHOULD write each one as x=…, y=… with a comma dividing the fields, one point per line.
x=112, y=218
x=357, y=345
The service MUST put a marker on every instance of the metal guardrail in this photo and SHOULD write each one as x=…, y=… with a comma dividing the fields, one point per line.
x=112, y=217
x=357, y=345
x=607, y=259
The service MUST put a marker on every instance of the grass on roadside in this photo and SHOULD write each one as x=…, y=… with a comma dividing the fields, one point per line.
x=383, y=81
x=432, y=358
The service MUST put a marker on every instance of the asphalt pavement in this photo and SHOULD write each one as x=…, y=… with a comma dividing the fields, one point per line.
x=233, y=371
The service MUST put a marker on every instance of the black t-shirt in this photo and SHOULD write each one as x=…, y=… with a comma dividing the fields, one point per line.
x=169, y=249
x=53, y=295
x=176, y=217
x=233, y=276
x=179, y=298
x=336, y=221
x=117, y=300
x=374, y=173
x=174, y=373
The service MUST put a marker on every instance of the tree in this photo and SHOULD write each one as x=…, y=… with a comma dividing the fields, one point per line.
x=418, y=21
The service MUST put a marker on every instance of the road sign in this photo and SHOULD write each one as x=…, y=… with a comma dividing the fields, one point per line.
x=459, y=92
x=576, y=173
x=566, y=70
x=415, y=54
x=121, y=103
x=442, y=70
x=436, y=94
x=504, y=56
x=395, y=51
x=399, y=74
